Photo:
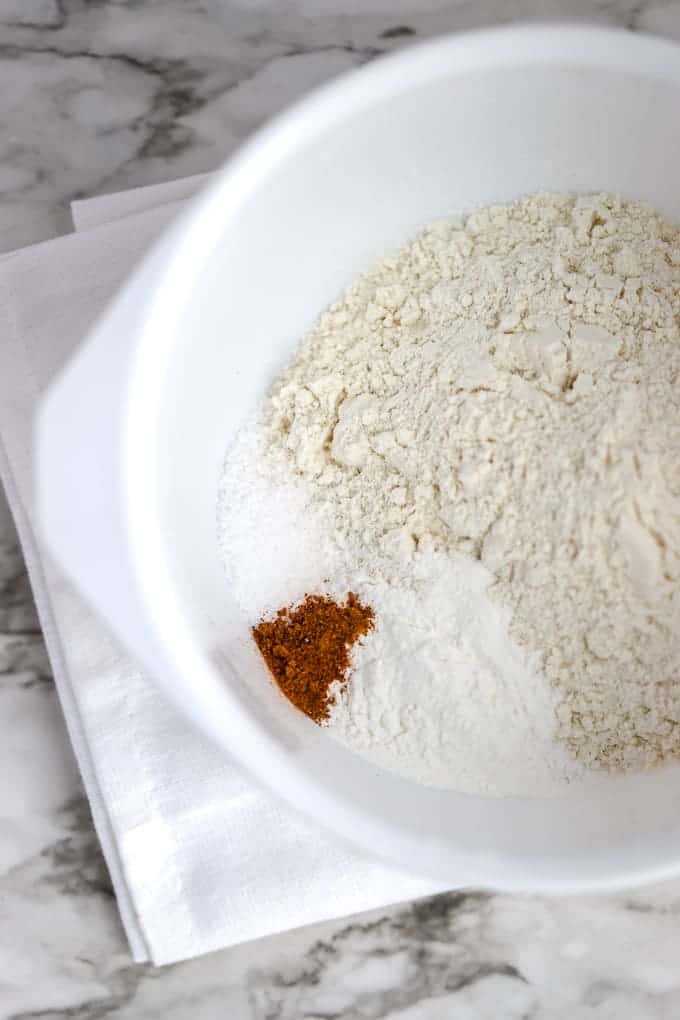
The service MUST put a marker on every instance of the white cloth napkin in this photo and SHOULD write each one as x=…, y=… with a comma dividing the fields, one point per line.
x=200, y=858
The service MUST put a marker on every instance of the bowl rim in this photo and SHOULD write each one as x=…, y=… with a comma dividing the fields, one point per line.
x=229, y=724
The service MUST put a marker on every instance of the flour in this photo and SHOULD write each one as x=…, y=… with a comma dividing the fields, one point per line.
x=442, y=695
x=501, y=397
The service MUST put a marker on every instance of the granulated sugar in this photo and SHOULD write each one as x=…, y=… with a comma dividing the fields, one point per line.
x=272, y=547
x=487, y=424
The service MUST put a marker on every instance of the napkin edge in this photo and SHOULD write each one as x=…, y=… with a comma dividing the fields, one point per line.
x=81, y=751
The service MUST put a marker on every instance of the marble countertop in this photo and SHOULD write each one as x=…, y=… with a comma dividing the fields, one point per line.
x=102, y=95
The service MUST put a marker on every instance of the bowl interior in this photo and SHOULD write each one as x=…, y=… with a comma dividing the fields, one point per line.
x=434, y=133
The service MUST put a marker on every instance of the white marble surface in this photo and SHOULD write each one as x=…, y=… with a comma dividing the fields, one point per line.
x=97, y=96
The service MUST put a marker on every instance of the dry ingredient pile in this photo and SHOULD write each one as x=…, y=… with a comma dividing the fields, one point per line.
x=480, y=439
x=307, y=648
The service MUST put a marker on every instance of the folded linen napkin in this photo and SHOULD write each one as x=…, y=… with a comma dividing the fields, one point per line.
x=200, y=857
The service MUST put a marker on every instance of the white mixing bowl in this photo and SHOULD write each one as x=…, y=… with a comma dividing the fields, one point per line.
x=132, y=436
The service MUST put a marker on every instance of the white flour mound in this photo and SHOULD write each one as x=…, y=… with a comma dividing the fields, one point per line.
x=442, y=695
x=507, y=392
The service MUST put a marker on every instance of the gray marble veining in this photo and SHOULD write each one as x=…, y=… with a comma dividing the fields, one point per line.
x=99, y=96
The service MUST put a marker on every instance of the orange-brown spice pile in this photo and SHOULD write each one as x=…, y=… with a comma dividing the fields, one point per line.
x=308, y=648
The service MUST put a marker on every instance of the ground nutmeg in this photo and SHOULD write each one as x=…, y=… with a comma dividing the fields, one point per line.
x=307, y=648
